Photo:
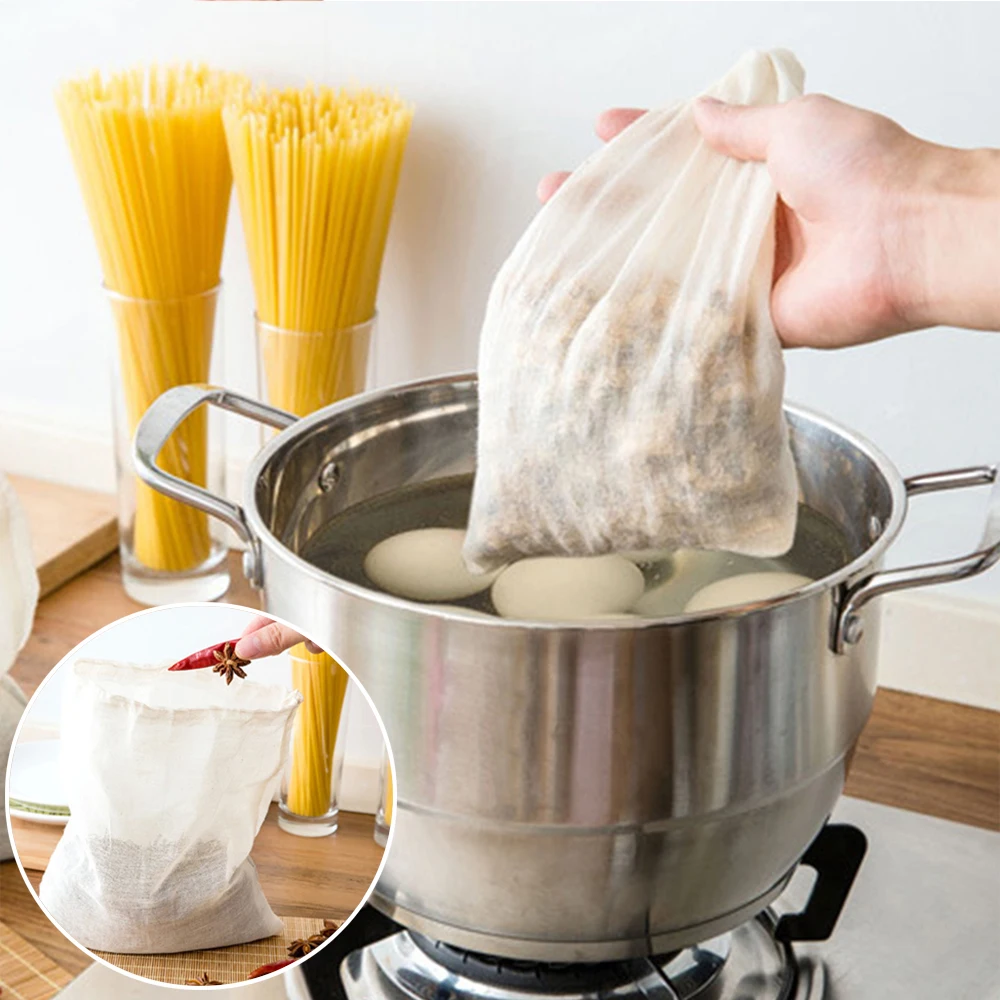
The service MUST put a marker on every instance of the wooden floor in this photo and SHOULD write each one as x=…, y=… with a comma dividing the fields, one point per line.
x=917, y=753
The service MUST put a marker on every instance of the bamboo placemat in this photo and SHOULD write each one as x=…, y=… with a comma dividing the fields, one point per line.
x=225, y=965
x=25, y=973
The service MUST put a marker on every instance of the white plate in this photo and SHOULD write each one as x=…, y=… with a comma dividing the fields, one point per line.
x=35, y=780
x=33, y=817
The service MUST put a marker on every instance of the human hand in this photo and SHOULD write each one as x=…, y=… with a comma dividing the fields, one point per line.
x=877, y=232
x=266, y=637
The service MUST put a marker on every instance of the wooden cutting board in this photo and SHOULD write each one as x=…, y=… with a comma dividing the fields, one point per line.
x=71, y=529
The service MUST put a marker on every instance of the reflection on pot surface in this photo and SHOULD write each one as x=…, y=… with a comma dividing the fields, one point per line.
x=571, y=793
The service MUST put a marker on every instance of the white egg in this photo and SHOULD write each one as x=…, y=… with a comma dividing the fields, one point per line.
x=692, y=570
x=558, y=588
x=736, y=591
x=424, y=565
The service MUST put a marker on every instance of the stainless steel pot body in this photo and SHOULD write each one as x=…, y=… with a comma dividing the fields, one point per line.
x=568, y=793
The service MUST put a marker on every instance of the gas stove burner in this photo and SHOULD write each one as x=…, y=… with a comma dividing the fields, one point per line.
x=747, y=964
x=540, y=978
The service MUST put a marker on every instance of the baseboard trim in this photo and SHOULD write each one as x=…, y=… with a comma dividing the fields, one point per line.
x=941, y=647
x=360, y=786
x=42, y=449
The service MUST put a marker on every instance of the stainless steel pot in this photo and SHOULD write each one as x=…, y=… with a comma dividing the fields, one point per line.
x=578, y=793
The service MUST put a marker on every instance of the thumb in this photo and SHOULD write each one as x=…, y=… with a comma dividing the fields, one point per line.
x=736, y=130
x=270, y=640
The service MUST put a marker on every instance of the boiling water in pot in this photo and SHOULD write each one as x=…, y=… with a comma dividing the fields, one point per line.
x=340, y=547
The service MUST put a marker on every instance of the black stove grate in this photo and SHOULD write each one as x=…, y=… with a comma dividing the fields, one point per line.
x=537, y=977
x=322, y=969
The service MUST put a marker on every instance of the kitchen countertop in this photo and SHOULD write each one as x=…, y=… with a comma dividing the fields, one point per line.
x=916, y=753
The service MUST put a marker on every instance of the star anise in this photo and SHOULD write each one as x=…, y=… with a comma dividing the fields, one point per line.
x=302, y=946
x=228, y=664
x=202, y=980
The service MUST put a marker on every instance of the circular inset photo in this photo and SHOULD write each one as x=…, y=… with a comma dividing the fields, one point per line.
x=199, y=796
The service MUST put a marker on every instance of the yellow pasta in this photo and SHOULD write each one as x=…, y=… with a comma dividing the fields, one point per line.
x=323, y=685
x=150, y=155
x=316, y=172
x=387, y=811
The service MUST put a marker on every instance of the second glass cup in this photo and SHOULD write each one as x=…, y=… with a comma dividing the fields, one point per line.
x=310, y=792
x=302, y=372
x=383, y=815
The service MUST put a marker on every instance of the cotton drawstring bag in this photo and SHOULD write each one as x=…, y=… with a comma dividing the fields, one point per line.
x=18, y=599
x=168, y=776
x=630, y=378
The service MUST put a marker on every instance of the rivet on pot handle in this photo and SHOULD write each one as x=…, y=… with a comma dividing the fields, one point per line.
x=153, y=432
x=847, y=627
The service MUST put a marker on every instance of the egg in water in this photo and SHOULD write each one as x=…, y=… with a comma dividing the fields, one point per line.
x=561, y=588
x=691, y=569
x=737, y=591
x=425, y=564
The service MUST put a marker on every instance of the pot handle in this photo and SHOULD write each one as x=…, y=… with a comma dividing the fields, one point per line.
x=162, y=419
x=847, y=627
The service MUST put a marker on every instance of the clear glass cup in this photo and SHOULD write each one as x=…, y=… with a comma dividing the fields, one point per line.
x=302, y=372
x=169, y=551
x=310, y=791
x=386, y=801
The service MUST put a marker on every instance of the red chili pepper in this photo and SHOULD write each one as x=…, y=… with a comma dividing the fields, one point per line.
x=204, y=657
x=273, y=967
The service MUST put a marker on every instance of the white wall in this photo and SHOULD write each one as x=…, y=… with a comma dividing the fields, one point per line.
x=504, y=92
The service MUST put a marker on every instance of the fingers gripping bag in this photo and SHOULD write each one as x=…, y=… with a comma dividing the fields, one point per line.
x=630, y=378
x=18, y=598
x=169, y=776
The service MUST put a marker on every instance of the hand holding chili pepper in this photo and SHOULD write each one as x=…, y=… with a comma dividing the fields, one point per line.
x=221, y=658
x=266, y=637
x=205, y=657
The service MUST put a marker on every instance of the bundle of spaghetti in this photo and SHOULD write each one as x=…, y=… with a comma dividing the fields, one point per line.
x=322, y=682
x=150, y=155
x=387, y=808
x=316, y=172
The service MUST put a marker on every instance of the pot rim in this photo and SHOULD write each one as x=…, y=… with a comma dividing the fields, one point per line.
x=870, y=557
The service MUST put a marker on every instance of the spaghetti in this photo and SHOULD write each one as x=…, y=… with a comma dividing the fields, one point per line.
x=150, y=154
x=387, y=810
x=322, y=683
x=316, y=172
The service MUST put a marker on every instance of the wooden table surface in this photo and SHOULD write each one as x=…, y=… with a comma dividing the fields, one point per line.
x=322, y=877
x=916, y=753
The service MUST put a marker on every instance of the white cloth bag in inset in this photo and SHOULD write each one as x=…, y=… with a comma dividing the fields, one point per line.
x=18, y=599
x=630, y=379
x=168, y=778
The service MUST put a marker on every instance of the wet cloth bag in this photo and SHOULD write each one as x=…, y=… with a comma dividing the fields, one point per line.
x=168, y=776
x=630, y=379
x=18, y=598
